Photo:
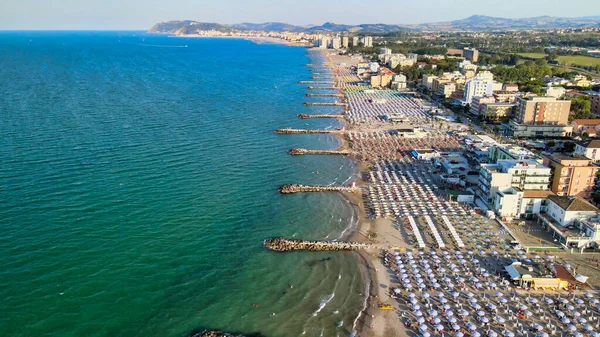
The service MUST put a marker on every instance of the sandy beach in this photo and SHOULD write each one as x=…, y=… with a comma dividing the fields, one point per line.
x=255, y=39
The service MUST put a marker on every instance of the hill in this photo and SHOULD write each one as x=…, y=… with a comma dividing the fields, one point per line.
x=472, y=23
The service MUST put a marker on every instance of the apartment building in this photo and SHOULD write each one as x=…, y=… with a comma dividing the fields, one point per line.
x=589, y=149
x=595, y=102
x=482, y=84
x=522, y=174
x=572, y=175
x=540, y=116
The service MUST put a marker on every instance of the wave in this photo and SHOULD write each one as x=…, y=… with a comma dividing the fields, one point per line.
x=365, y=304
x=324, y=302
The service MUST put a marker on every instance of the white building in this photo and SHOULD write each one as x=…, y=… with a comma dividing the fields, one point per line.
x=345, y=41
x=556, y=92
x=565, y=210
x=522, y=174
x=368, y=41
x=482, y=84
x=413, y=56
x=336, y=42
x=512, y=203
x=590, y=149
x=355, y=41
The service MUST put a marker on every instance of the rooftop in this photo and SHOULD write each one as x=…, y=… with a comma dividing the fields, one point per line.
x=587, y=121
x=537, y=194
x=592, y=144
x=573, y=204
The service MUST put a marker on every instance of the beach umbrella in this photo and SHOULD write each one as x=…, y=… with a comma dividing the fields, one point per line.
x=571, y=327
x=588, y=327
x=588, y=295
x=491, y=306
x=492, y=334
x=476, y=334
x=455, y=326
x=579, y=301
x=426, y=334
x=421, y=320
x=426, y=295
x=538, y=327
x=560, y=314
x=522, y=306
x=578, y=334
x=594, y=334
x=533, y=300
x=543, y=334
x=452, y=320
x=423, y=327
x=440, y=294
x=397, y=291
x=472, y=327
x=459, y=334
x=433, y=313
x=449, y=313
x=463, y=312
x=565, y=320
x=455, y=294
x=499, y=294
x=581, y=320
x=503, y=300
x=446, y=306
x=549, y=301
x=500, y=319
x=413, y=301
x=476, y=306
x=443, y=300
x=576, y=313
x=570, y=307
x=485, y=320
x=509, y=334
x=480, y=313
x=528, y=313
x=437, y=320
x=472, y=300
x=439, y=327
x=411, y=295
x=564, y=301
x=418, y=313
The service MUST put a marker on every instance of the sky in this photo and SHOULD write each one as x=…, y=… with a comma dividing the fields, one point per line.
x=143, y=14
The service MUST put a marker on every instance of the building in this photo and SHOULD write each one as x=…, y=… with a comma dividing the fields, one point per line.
x=571, y=175
x=581, y=125
x=505, y=96
x=566, y=210
x=368, y=41
x=509, y=152
x=481, y=85
x=446, y=89
x=595, y=102
x=466, y=65
x=336, y=42
x=385, y=51
x=399, y=82
x=540, y=116
x=495, y=112
x=522, y=174
x=556, y=92
x=589, y=149
x=477, y=103
x=538, y=276
x=382, y=78
x=345, y=42
x=355, y=41
x=413, y=57
x=428, y=81
x=471, y=54
x=513, y=87
x=516, y=129
x=581, y=81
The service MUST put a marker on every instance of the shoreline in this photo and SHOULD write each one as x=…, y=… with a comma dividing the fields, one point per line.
x=363, y=225
x=255, y=39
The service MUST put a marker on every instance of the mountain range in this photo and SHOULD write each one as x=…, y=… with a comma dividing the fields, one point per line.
x=472, y=23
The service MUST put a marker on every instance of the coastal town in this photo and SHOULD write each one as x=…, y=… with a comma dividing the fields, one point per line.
x=478, y=195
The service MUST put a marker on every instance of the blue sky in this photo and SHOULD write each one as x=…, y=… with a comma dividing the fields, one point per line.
x=142, y=14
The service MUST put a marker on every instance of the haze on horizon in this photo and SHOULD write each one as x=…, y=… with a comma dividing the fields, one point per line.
x=143, y=14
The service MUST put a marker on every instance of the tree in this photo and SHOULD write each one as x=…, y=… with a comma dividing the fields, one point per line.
x=581, y=107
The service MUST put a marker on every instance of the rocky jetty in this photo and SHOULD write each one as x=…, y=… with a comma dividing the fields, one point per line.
x=324, y=95
x=316, y=82
x=324, y=104
x=297, y=188
x=300, y=152
x=287, y=245
x=322, y=88
x=305, y=131
x=307, y=116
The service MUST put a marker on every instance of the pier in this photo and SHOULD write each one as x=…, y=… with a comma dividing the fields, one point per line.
x=324, y=104
x=307, y=116
x=306, y=131
x=322, y=88
x=300, y=152
x=324, y=95
x=288, y=245
x=297, y=188
x=316, y=82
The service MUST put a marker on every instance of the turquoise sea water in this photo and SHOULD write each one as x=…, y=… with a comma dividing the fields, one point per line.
x=138, y=178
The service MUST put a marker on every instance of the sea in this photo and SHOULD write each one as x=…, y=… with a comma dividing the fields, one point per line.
x=138, y=179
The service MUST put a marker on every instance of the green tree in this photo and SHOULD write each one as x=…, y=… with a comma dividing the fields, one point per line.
x=581, y=108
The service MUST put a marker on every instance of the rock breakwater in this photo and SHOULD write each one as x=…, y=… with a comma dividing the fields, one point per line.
x=287, y=245
x=297, y=188
x=300, y=152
